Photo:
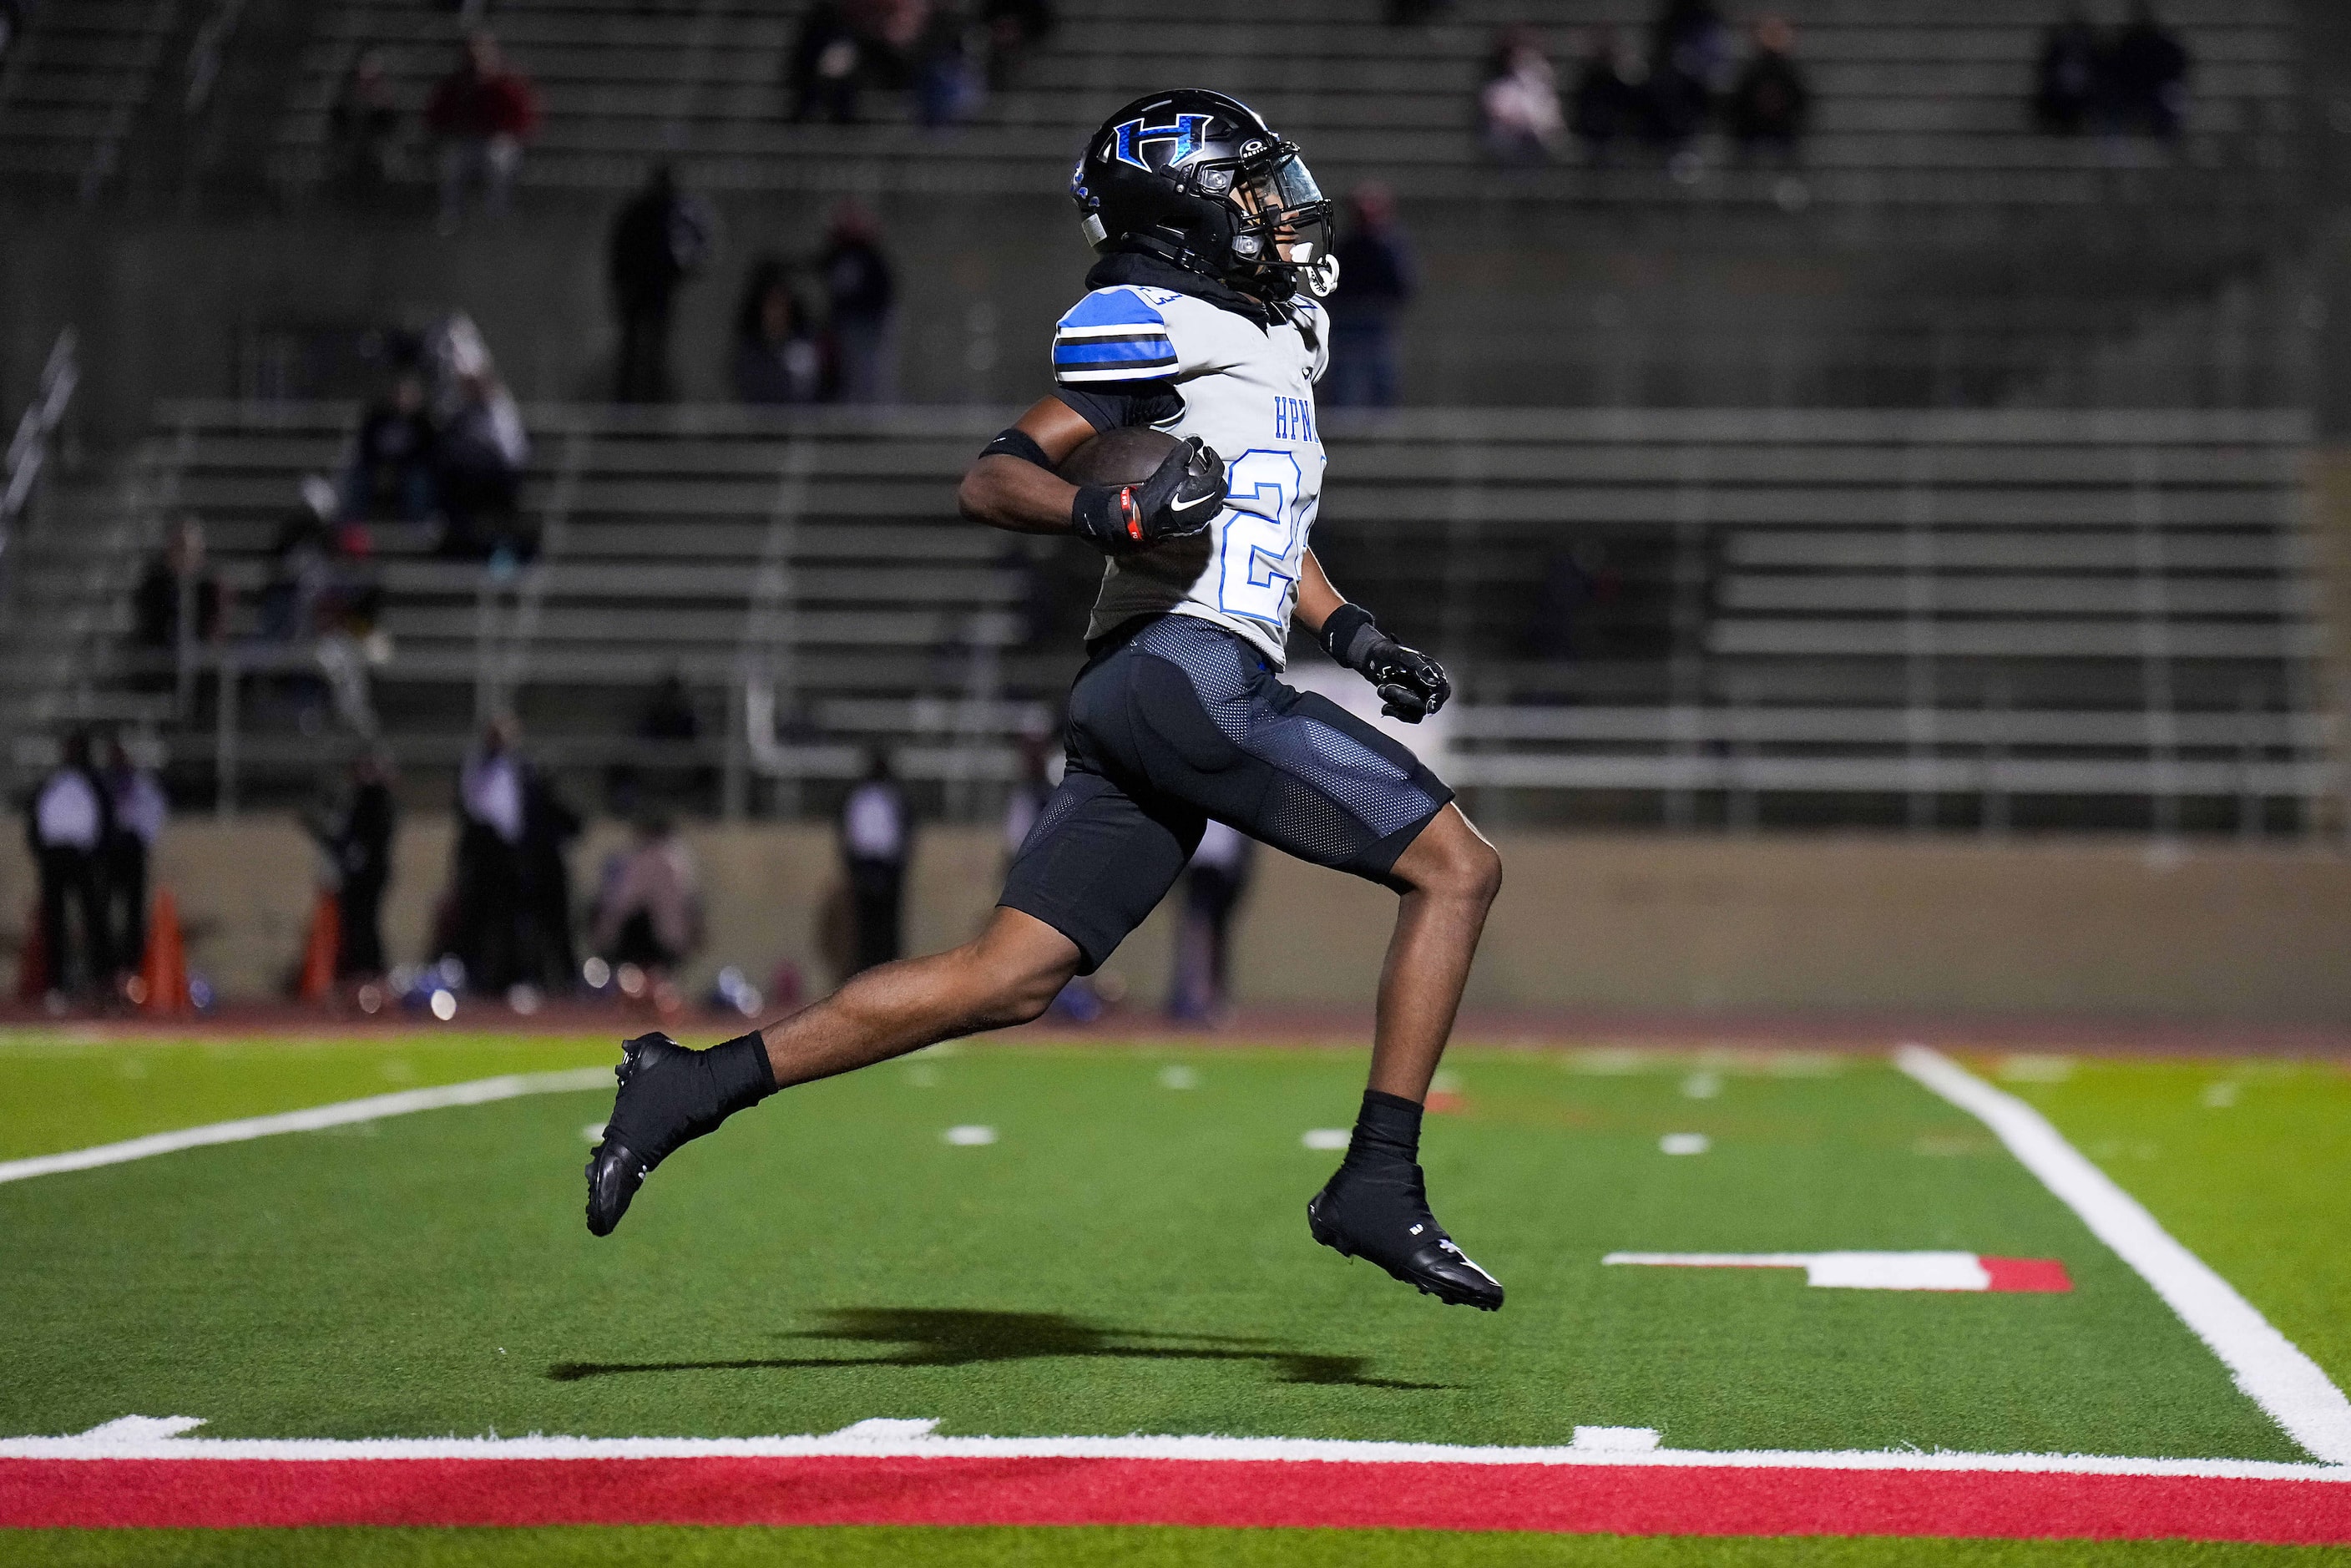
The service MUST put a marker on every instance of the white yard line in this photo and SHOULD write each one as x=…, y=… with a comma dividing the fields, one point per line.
x=2274, y=1373
x=98, y=1446
x=480, y=1091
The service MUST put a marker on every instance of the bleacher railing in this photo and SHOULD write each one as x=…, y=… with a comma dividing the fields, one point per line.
x=1948, y=588
x=29, y=448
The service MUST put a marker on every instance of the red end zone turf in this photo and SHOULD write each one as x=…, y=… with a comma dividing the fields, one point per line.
x=1694, y=1500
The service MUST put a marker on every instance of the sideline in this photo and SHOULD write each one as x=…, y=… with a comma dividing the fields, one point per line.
x=903, y=1480
x=479, y=1092
x=2270, y=1369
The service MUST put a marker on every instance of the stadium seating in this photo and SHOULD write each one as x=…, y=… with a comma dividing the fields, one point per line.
x=1860, y=616
x=72, y=88
x=1916, y=105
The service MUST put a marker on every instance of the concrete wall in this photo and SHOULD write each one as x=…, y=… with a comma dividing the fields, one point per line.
x=1877, y=924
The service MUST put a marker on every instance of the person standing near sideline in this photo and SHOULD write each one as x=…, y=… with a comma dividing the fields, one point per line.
x=358, y=839
x=875, y=838
x=1213, y=885
x=66, y=830
x=138, y=807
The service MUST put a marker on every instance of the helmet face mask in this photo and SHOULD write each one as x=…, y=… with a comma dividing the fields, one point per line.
x=1200, y=179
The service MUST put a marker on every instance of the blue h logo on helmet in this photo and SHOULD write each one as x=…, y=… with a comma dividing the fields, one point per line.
x=1133, y=136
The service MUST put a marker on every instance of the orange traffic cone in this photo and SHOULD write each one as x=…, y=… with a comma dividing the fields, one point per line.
x=317, y=981
x=33, y=959
x=164, y=977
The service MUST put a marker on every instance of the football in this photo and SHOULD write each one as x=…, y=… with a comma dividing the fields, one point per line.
x=1119, y=456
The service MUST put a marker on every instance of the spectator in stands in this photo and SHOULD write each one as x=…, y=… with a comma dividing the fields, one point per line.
x=301, y=565
x=12, y=22
x=1213, y=885
x=1518, y=106
x=827, y=66
x=1606, y=106
x=2145, y=85
x=391, y=474
x=1414, y=12
x=649, y=908
x=1770, y=103
x=949, y=80
x=136, y=810
x=861, y=292
x=876, y=841
x=1376, y=281
x=364, y=129
x=66, y=830
x=176, y=607
x=550, y=958
x=659, y=241
x=778, y=357
x=483, y=113
x=1689, y=48
x=488, y=898
x=477, y=467
x=668, y=717
x=356, y=838
x=1014, y=27
x=2066, y=85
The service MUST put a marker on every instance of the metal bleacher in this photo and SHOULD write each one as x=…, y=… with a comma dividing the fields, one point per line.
x=1735, y=617
x=1919, y=103
x=72, y=87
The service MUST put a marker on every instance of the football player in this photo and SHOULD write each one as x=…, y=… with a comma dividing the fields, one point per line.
x=1201, y=322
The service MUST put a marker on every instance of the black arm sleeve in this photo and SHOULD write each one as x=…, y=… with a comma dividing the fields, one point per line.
x=1124, y=404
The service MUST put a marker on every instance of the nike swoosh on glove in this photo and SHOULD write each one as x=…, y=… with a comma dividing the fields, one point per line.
x=1182, y=496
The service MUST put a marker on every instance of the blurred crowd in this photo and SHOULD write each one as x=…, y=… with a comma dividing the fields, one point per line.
x=1689, y=76
x=2132, y=80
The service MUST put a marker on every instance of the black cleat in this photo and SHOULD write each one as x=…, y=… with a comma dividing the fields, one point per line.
x=1385, y=1219
x=638, y=1135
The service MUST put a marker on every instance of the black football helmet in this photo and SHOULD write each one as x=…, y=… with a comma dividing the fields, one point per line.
x=1200, y=179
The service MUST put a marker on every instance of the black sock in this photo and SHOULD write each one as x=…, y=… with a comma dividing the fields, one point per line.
x=1387, y=1132
x=739, y=1075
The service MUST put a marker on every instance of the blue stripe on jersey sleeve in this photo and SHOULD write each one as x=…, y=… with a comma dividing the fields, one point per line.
x=1115, y=307
x=1093, y=352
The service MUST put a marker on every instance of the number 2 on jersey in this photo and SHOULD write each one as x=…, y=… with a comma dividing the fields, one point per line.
x=1260, y=535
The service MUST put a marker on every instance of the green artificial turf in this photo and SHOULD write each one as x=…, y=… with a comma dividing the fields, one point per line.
x=60, y=1091
x=2247, y=1161
x=1127, y=1257
x=1087, y=1548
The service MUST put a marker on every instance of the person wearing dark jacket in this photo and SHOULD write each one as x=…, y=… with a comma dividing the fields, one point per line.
x=2145, y=78
x=66, y=830
x=391, y=473
x=2066, y=80
x=658, y=242
x=135, y=803
x=1376, y=281
x=1770, y=102
x=358, y=839
x=876, y=842
x=550, y=957
x=862, y=295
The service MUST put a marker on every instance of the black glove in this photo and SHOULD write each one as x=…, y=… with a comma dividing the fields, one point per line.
x=1182, y=496
x=1412, y=685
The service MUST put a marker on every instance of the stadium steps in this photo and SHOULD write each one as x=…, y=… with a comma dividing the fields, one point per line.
x=1914, y=107
x=2098, y=618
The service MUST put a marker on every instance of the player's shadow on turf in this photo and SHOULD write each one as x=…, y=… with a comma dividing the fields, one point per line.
x=949, y=1337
